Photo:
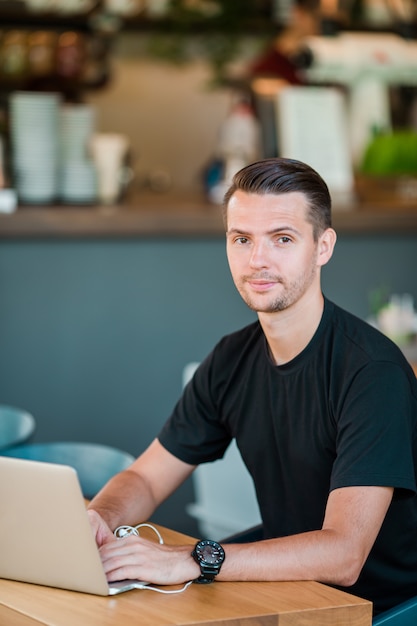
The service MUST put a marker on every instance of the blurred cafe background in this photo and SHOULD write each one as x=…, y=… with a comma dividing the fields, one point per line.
x=121, y=125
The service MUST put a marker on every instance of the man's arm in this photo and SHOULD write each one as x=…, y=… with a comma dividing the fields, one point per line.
x=334, y=554
x=132, y=496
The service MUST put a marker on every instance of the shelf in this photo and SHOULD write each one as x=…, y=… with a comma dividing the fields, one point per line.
x=148, y=216
x=85, y=22
x=22, y=18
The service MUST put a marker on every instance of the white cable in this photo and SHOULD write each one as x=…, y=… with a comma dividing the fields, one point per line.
x=125, y=530
x=186, y=585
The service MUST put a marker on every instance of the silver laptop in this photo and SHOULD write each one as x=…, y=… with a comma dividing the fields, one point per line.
x=45, y=534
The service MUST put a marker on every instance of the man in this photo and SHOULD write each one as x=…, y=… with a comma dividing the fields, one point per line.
x=323, y=408
x=281, y=60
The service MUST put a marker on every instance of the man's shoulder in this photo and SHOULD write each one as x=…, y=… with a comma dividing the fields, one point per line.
x=356, y=329
x=361, y=338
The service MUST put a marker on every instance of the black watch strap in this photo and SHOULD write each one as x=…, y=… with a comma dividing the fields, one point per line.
x=207, y=575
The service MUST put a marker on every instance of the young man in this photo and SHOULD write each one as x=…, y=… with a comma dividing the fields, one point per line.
x=323, y=408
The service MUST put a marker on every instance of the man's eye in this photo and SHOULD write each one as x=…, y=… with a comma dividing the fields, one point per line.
x=284, y=239
x=241, y=240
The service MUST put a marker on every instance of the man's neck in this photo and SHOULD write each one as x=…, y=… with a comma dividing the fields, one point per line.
x=288, y=332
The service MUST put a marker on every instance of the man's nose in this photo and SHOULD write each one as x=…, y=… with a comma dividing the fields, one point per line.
x=259, y=255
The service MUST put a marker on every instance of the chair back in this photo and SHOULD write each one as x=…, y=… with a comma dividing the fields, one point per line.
x=404, y=614
x=95, y=463
x=16, y=426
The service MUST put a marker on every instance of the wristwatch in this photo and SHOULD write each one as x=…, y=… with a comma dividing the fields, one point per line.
x=210, y=556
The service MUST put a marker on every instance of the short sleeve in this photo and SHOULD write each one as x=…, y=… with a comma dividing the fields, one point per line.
x=376, y=435
x=194, y=433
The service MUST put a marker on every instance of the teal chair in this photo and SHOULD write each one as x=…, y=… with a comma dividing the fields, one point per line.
x=16, y=426
x=95, y=463
x=405, y=614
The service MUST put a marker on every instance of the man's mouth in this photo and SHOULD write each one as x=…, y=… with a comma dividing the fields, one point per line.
x=261, y=284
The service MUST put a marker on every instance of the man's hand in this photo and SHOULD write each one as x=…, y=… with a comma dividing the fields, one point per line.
x=102, y=532
x=140, y=559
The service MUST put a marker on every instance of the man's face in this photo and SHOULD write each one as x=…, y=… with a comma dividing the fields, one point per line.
x=272, y=254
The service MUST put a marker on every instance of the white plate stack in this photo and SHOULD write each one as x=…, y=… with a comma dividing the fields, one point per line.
x=78, y=176
x=35, y=154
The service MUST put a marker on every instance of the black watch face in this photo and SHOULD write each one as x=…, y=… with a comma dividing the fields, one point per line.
x=210, y=552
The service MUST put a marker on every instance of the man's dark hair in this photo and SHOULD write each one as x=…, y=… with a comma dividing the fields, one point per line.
x=278, y=176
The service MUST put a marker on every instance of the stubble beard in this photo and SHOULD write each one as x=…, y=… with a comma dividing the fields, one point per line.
x=291, y=292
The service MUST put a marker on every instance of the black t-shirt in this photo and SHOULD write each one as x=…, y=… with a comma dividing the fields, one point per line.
x=342, y=413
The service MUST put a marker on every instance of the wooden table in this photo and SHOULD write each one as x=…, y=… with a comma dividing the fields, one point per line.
x=220, y=604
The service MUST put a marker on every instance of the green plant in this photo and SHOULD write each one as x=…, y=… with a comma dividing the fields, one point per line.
x=391, y=154
x=378, y=298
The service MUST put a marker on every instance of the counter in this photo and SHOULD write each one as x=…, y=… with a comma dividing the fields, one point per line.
x=174, y=215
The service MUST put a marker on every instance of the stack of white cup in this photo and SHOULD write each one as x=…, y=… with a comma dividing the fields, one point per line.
x=35, y=151
x=78, y=176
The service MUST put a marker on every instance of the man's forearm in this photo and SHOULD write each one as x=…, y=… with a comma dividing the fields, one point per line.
x=124, y=500
x=317, y=555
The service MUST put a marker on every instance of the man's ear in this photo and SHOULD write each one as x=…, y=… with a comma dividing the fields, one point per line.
x=326, y=244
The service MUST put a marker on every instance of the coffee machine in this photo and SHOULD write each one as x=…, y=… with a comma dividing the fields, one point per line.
x=367, y=66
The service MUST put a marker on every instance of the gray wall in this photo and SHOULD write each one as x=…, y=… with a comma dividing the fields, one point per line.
x=94, y=334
